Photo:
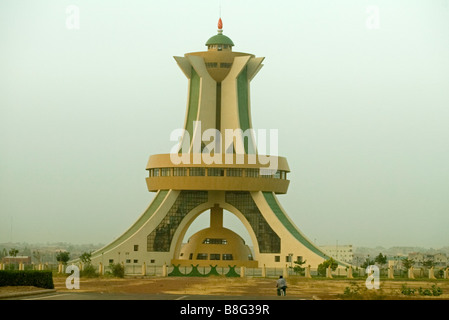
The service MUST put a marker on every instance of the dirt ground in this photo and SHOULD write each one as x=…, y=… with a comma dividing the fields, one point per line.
x=324, y=289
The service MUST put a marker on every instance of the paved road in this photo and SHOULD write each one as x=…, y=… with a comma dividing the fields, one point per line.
x=140, y=296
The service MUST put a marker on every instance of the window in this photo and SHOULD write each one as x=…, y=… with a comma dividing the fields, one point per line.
x=214, y=241
x=277, y=175
x=135, y=260
x=155, y=172
x=277, y=258
x=215, y=172
x=266, y=173
x=179, y=172
x=191, y=256
x=250, y=257
x=253, y=173
x=288, y=258
x=227, y=256
x=225, y=65
x=128, y=260
x=136, y=247
x=201, y=256
x=152, y=261
x=165, y=172
x=197, y=172
x=233, y=172
x=211, y=64
x=215, y=256
x=111, y=260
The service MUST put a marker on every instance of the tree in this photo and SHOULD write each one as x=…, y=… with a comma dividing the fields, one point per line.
x=37, y=255
x=3, y=253
x=89, y=270
x=63, y=256
x=298, y=265
x=13, y=252
x=367, y=263
x=407, y=263
x=85, y=257
x=428, y=263
x=381, y=259
x=323, y=266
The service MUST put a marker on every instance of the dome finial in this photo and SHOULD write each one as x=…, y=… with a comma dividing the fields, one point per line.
x=220, y=26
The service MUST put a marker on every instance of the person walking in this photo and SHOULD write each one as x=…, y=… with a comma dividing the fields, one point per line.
x=281, y=286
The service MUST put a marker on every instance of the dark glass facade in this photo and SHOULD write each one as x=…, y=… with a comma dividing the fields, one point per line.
x=267, y=239
x=160, y=239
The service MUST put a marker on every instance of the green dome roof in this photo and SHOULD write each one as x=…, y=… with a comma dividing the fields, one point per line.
x=219, y=39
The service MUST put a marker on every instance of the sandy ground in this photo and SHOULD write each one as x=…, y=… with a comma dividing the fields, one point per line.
x=297, y=286
x=325, y=289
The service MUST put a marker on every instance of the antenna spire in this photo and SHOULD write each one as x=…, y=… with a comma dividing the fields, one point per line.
x=220, y=22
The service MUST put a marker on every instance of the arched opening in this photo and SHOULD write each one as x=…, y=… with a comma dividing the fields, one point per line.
x=218, y=237
x=230, y=221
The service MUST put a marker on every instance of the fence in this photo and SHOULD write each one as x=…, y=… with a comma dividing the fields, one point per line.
x=28, y=266
x=153, y=270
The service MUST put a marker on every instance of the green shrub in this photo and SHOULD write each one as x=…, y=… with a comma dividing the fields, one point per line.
x=424, y=292
x=41, y=279
x=407, y=291
x=433, y=291
x=352, y=291
x=89, y=271
x=436, y=291
x=322, y=267
x=117, y=270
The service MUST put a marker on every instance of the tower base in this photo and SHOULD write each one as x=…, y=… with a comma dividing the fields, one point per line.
x=156, y=237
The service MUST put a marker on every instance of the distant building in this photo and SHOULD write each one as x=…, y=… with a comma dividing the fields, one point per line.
x=16, y=260
x=340, y=252
x=440, y=259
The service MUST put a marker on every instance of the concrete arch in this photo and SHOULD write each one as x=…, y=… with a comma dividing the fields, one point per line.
x=193, y=215
x=181, y=231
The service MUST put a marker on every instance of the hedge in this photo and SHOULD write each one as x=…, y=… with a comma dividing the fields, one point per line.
x=41, y=279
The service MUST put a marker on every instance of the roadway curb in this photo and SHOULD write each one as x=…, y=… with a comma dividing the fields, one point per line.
x=25, y=293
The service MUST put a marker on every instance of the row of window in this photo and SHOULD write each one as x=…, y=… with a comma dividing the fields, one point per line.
x=215, y=256
x=287, y=258
x=216, y=172
x=134, y=261
x=219, y=47
x=215, y=241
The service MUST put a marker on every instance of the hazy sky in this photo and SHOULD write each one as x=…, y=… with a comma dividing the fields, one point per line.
x=358, y=89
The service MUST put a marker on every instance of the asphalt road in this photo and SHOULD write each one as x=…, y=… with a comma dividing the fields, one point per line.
x=141, y=296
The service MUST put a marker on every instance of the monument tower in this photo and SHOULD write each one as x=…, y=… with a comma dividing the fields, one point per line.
x=207, y=171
